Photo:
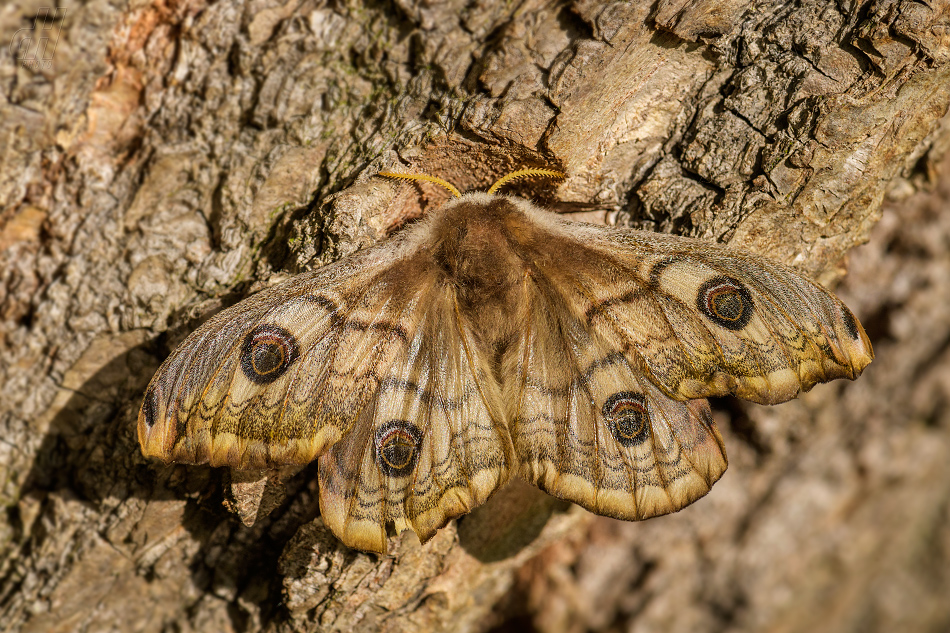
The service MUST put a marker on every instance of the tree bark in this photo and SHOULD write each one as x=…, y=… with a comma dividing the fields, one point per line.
x=175, y=156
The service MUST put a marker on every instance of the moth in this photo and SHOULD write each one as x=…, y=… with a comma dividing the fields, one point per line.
x=493, y=338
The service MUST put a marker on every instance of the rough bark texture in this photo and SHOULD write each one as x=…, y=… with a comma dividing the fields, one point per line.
x=174, y=156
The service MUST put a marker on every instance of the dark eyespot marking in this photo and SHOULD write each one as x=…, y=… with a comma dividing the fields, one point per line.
x=726, y=302
x=150, y=407
x=627, y=417
x=397, y=447
x=850, y=323
x=268, y=351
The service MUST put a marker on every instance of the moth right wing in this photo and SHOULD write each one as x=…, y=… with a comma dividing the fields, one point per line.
x=588, y=426
x=629, y=333
x=703, y=320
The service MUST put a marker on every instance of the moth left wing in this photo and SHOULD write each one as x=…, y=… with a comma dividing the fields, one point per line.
x=427, y=448
x=363, y=364
x=279, y=377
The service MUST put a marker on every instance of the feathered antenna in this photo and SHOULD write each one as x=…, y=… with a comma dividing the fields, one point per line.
x=426, y=178
x=501, y=182
x=524, y=173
